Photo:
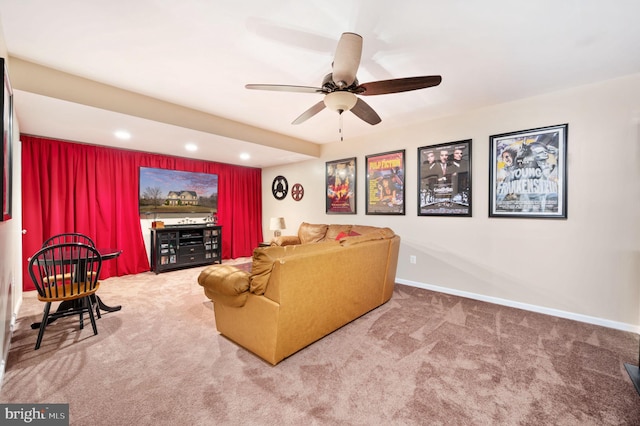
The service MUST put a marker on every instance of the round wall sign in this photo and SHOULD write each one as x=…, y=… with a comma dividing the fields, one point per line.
x=297, y=192
x=279, y=187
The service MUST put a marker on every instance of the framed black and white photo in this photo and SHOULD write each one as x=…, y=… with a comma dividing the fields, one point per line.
x=6, y=157
x=341, y=186
x=444, y=179
x=528, y=173
x=385, y=183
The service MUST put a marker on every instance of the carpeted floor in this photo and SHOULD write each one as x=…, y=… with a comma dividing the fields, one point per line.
x=422, y=358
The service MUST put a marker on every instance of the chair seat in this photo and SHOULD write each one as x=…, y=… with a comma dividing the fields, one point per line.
x=71, y=291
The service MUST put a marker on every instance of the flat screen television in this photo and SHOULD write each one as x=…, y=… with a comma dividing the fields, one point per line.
x=175, y=191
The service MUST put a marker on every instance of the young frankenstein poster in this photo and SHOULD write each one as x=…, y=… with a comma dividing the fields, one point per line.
x=528, y=170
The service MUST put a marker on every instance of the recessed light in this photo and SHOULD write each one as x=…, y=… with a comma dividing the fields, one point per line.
x=244, y=156
x=122, y=134
x=191, y=147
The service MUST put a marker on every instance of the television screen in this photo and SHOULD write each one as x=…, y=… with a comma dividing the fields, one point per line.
x=174, y=191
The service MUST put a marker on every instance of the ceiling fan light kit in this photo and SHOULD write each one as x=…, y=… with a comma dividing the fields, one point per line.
x=341, y=86
x=340, y=101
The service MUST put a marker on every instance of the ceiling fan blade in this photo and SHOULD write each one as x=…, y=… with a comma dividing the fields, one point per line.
x=284, y=88
x=309, y=113
x=347, y=59
x=292, y=36
x=396, y=85
x=362, y=110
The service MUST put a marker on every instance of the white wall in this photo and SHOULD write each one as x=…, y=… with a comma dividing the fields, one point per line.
x=586, y=267
x=10, y=253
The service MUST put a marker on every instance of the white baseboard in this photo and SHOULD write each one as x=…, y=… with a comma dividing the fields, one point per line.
x=533, y=308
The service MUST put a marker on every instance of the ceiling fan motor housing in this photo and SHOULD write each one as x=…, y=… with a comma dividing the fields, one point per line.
x=328, y=85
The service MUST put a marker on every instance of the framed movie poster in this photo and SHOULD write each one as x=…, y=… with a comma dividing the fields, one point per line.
x=6, y=154
x=385, y=183
x=341, y=186
x=528, y=173
x=444, y=179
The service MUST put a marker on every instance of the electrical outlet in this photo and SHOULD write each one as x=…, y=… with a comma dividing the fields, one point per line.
x=412, y=259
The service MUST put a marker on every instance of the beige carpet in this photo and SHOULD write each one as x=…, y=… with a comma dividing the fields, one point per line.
x=422, y=358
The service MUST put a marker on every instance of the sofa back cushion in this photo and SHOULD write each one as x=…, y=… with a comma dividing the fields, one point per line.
x=311, y=233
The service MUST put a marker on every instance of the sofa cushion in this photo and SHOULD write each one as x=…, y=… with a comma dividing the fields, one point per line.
x=334, y=230
x=312, y=233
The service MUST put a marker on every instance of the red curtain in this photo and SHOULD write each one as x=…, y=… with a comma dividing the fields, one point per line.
x=71, y=187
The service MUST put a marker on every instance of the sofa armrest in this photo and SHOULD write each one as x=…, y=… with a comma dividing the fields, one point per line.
x=225, y=284
x=286, y=240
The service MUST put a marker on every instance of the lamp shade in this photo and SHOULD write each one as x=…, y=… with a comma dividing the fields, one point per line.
x=276, y=224
x=340, y=100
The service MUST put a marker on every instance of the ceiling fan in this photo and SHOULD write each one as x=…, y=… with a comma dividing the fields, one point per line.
x=341, y=86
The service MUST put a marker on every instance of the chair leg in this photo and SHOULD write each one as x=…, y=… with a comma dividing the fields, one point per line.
x=43, y=324
x=94, y=299
x=81, y=315
x=93, y=319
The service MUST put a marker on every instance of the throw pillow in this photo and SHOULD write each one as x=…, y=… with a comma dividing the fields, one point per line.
x=334, y=230
x=381, y=234
x=343, y=234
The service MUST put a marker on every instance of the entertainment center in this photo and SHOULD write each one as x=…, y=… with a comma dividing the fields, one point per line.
x=183, y=246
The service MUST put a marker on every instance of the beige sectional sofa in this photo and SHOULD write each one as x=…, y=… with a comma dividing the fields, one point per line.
x=304, y=289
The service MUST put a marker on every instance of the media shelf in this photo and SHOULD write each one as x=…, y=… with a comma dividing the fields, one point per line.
x=185, y=246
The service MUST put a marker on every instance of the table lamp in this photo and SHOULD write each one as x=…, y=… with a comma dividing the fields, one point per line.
x=275, y=225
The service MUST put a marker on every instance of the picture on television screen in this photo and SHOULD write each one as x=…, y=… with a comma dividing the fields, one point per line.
x=174, y=191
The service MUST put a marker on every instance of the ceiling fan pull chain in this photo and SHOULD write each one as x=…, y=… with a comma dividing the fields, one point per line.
x=340, y=129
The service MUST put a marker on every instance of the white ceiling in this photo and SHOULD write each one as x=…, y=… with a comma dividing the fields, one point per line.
x=201, y=53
